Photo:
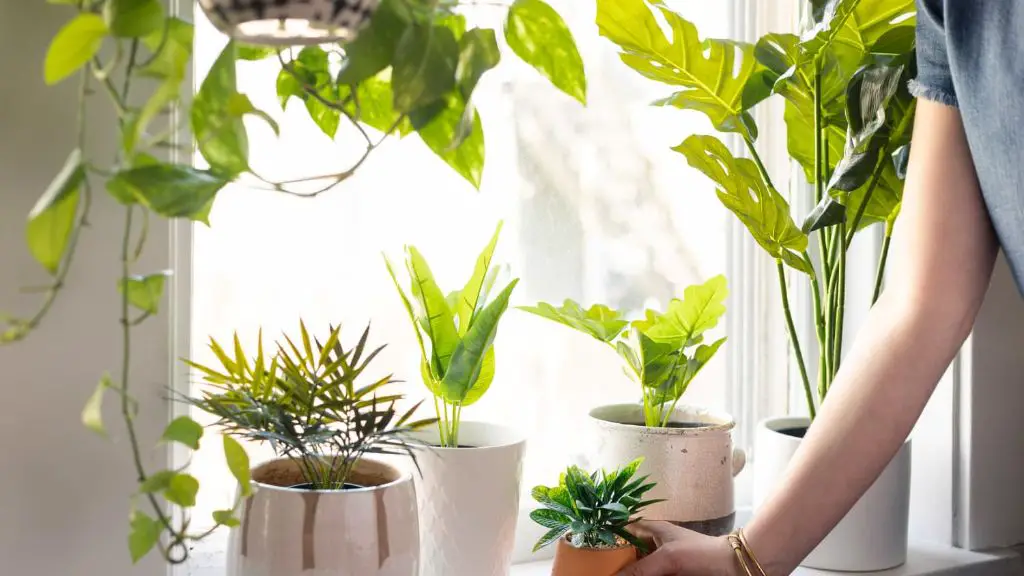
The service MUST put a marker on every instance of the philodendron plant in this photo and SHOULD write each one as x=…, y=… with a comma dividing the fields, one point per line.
x=455, y=333
x=848, y=115
x=592, y=510
x=664, y=352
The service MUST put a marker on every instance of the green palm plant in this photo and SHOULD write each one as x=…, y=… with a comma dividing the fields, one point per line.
x=455, y=333
x=592, y=510
x=308, y=403
x=664, y=352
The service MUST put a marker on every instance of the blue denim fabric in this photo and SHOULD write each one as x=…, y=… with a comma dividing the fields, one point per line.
x=970, y=54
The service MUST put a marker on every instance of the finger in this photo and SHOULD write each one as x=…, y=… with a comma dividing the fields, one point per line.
x=658, y=531
x=658, y=564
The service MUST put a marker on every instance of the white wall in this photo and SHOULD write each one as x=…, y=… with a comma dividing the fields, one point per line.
x=64, y=491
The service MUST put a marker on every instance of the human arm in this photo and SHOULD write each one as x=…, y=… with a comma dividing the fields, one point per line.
x=943, y=253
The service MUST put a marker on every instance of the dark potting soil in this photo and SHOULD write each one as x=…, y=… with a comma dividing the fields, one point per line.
x=794, y=432
x=685, y=425
x=309, y=486
x=459, y=446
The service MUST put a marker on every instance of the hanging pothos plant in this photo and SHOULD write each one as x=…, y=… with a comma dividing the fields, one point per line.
x=414, y=68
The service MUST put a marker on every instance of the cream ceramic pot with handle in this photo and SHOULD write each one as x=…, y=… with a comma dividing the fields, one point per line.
x=693, y=462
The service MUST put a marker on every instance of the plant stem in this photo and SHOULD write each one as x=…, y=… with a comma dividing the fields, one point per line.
x=837, y=355
x=819, y=182
x=794, y=340
x=880, y=274
x=819, y=323
x=872, y=184
x=757, y=162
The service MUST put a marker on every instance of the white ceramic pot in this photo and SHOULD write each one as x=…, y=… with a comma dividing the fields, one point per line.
x=693, y=466
x=290, y=21
x=469, y=501
x=370, y=531
x=873, y=535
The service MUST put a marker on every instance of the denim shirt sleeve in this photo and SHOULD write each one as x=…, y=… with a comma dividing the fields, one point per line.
x=934, y=81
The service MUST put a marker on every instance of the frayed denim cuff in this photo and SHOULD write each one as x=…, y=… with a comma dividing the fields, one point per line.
x=933, y=93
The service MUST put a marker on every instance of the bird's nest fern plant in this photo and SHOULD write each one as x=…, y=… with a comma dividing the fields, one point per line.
x=308, y=401
x=592, y=510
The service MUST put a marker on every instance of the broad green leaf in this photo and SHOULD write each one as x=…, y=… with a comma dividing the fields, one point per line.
x=442, y=132
x=661, y=365
x=469, y=297
x=162, y=97
x=467, y=361
x=226, y=518
x=820, y=37
x=549, y=518
x=239, y=105
x=220, y=135
x=598, y=321
x=423, y=69
x=440, y=322
x=550, y=537
x=92, y=413
x=254, y=52
x=144, y=534
x=483, y=382
x=538, y=35
x=310, y=72
x=779, y=54
x=699, y=311
x=374, y=48
x=713, y=74
x=52, y=219
x=73, y=46
x=182, y=490
x=145, y=292
x=172, y=190
x=478, y=53
x=851, y=29
x=763, y=211
x=412, y=319
x=157, y=482
x=828, y=212
x=800, y=140
x=373, y=105
x=454, y=22
x=133, y=18
x=175, y=50
x=183, y=430
x=238, y=464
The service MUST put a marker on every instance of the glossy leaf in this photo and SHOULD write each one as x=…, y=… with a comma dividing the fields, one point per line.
x=467, y=361
x=423, y=69
x=220, y=135
x=226, y=518
x=439, y=320
x=374, y=48
x=832, y=21
x=441, y=135
x=478, y=53
x=133, y=18
x=175, y=50
x=763, y=211
x=373, y=105
x=143, y=536
x=183, y=430
x=598, y=321
x=157, y=482
x=686, y=320
x=74, y=46
x=713, y=74
x=52, y=219
x=254, y=52
x=828, y=212
x=312, y=74
x=182, y=490
x=483, y=381
x=172, y=190
x=92, y=413
x=539, y=36
x=469, y=299
x=145, y=292
x=238, y=464
x=239, y=106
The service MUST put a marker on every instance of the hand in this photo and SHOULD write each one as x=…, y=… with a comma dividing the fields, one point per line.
x=681, y=552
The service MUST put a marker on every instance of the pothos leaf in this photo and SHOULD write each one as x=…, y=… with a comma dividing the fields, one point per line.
x=538, y=35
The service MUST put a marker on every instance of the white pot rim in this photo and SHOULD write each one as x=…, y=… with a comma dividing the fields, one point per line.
x=403, y=477
x=609, y=416
x=774, y=423
x=469, y=429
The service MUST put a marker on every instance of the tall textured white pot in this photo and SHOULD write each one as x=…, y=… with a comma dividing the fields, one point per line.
x=370, y=531
x=693, y=466
x=469, y=501
x=873, y=535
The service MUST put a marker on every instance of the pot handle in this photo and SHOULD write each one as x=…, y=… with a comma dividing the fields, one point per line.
x=739, y=460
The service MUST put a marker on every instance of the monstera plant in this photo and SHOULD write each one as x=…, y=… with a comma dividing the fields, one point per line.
x=414, y=68
x=848, y=116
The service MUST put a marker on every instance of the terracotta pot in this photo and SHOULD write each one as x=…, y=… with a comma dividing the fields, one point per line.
x=469, y=501
x=290, y=22
x=370, y=531
x=572, y=561
x=693, y=466
x=873, y=534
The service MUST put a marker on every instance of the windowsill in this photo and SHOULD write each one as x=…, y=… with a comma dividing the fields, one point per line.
x=923, y=559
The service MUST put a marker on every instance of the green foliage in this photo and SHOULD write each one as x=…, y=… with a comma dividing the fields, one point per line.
x=133, y=18
x=92, y=413
x=455, y=333
x=217, y=126
x=75, y=45
x=538, y=35
x=145, y=292
x=144, y=534
x=52, y=220
x=185, y=431
x=663, y=352
x=592, y=510
x=307, y=401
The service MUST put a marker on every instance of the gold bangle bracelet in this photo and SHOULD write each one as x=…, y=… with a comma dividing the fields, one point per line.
x=749, y=552
x=739, y=545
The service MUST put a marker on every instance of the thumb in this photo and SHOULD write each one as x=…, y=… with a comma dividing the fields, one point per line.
x=660, y=563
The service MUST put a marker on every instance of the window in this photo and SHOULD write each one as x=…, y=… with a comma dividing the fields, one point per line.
x=596, y=208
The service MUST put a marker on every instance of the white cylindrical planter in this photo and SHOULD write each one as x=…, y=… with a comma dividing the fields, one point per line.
x=693, y=466
x=873, y=535
x=469, y=501
x=370, y=531
x=285, y=22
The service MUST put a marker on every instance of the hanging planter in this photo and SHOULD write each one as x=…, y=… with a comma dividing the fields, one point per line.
x=290, y=22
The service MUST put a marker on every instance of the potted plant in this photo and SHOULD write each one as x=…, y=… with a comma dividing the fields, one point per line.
x=687, y=450
x=469, y=489
x=322, y=504
x=848, y=115
x=587, y=515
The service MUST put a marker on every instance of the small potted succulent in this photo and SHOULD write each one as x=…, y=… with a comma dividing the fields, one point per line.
x=688, y=450
x=309, y=401
x=469, y=488
x=587, y=515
